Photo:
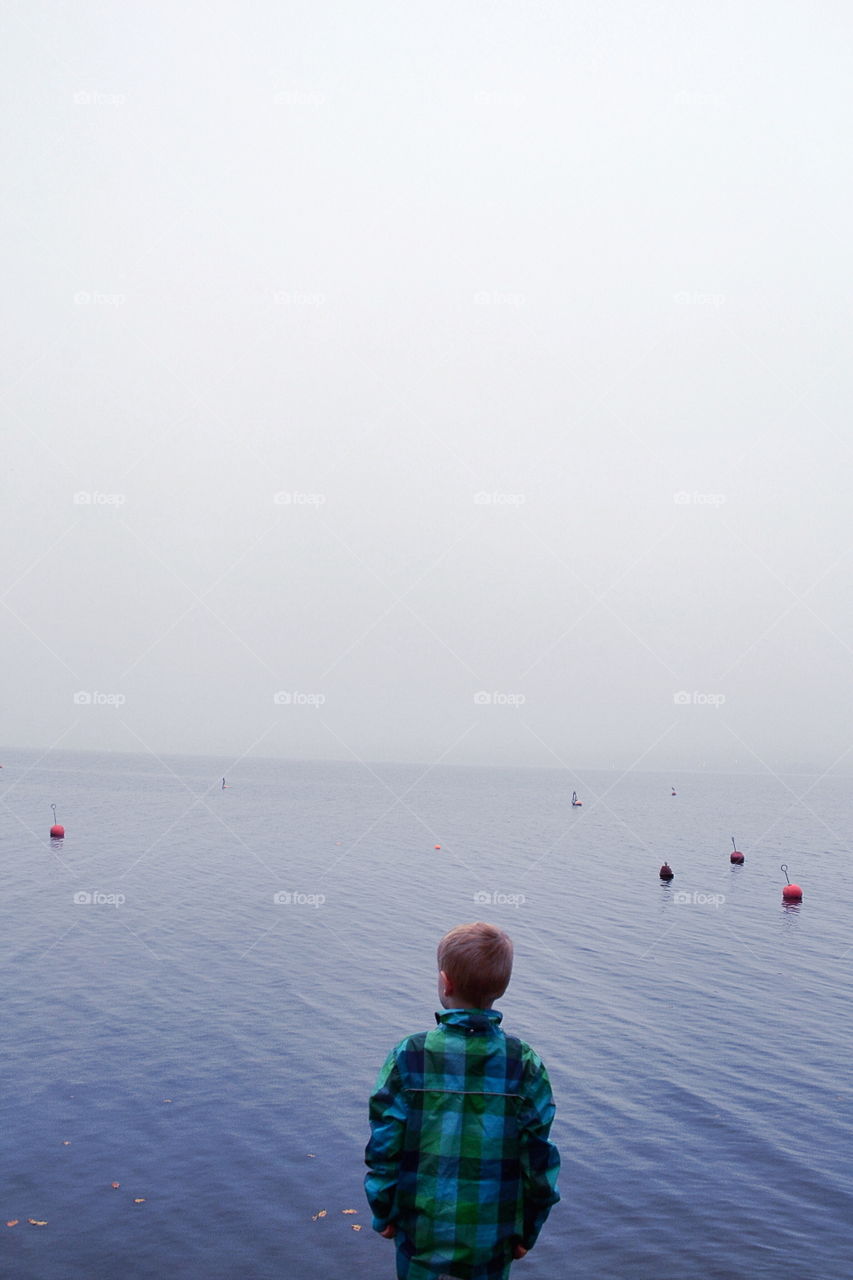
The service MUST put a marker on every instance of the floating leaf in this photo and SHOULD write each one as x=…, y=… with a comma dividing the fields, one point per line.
x=167, y=1099
x=322, y=1213
x=356, y=1226
x=13, y=1223
x=311, y=1155
x=115, y=1185
x=349, y=1210
x=139, y=1200
x=65, y=1142
x=36, y=1222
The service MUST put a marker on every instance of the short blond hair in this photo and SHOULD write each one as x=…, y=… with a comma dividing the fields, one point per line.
x=477, y=958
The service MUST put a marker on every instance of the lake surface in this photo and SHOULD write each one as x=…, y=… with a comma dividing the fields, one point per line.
x=212, y=1049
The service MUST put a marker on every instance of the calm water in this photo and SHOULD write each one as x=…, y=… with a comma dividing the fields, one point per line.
x=699, y=1050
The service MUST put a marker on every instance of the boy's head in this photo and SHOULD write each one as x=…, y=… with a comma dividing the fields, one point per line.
x=474, y=964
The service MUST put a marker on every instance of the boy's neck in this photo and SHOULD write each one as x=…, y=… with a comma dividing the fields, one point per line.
x=454, y=1002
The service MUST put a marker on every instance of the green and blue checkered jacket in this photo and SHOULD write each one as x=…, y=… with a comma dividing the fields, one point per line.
x=459, y=1158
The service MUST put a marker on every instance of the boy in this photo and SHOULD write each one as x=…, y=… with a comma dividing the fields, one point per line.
x=461, y=1173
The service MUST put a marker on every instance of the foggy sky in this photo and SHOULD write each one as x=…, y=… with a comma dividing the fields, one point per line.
x=473, y=376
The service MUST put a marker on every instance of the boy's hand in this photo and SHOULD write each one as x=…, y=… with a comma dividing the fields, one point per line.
x=518, y=1251
x=390, y=1231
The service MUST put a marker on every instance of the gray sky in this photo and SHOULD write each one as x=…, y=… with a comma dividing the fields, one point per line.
x=384, y=355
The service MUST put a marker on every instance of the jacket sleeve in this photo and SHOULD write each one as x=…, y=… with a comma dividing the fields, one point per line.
x=387, y=1131
x=540, y=1159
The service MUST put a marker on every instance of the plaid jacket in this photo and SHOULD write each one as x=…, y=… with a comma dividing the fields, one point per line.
x=459, y=1158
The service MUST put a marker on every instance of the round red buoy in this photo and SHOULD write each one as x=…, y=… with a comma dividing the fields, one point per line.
x=791, y=892
x=57, y=831
x=666, y=872
x=436, y=846
x=735, y=855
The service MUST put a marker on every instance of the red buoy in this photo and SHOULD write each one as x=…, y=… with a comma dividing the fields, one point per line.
x=666, y=872
x=735, y=855
x=57, y=831
x=436, y=846
x=791, y=892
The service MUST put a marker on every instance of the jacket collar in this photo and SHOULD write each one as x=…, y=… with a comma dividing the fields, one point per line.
x=470, y=1020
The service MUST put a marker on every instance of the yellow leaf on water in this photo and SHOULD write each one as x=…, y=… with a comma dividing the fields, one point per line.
x=349, y=1210
x=321, y=1214
x=356, y=1226
x=13, y=1223
x=115, y=1185
x=139, y=1200
x=36, y=1222
x=65, y=1142
x=311, y=1155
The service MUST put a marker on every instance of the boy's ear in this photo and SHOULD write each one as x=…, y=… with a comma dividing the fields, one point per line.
x=446, y=983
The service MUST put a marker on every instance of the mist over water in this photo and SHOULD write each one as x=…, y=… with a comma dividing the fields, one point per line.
x=389, y=357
